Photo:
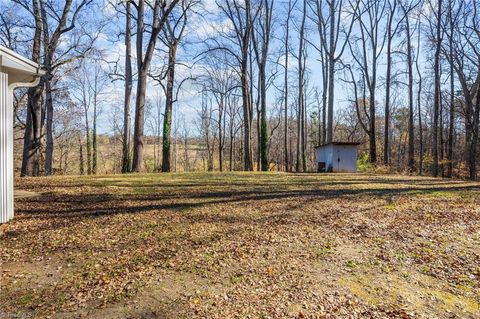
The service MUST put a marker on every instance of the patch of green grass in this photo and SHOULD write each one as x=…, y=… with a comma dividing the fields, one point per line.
x=351, y=264
x=235, y=279
x=426, y=269
x=405, y=275
x=390, y=207
x=444, y=194
x=401, y=256
x=25, y=300
x=323, y=252
x=144, y=190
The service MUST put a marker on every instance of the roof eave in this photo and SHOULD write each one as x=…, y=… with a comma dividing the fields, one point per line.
x=339, y=143
x=16, y=63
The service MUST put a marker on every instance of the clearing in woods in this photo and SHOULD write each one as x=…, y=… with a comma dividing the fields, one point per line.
x=238, y=245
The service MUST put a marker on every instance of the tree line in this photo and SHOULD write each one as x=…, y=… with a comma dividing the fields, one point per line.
x=267, y=81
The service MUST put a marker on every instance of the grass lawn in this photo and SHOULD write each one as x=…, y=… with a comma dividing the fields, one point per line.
x=242, y=245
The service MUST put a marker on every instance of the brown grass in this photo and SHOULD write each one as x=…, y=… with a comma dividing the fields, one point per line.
x=243, y=245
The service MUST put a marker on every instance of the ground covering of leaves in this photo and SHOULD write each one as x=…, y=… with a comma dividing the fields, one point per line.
x=242, y=245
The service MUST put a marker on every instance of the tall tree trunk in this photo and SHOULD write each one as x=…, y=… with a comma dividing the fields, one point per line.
x=301, y=97
x=167, y=120
x=126, y=162
x=81, y=160
x=419, y=108
x=436, y=98
x=411, y=137
x=49, y=125
x=324, y=96
x=451, y=122
x=221, y=132
x=230, y=162
x=137, y=165
x=441, y=137
x=94, y=136
x=247, y=102
x=473, y=143
x=388, y=83
x=264, y=30
x=88, y=144
x=285, y=91
x=299, y=135
x=372, y=135
x=331, y=72
x=304, y=129
x=33, y=132
x=420, y=125
x=247, y=120
x=263, y=120
x=451, y=127
x=33, y=129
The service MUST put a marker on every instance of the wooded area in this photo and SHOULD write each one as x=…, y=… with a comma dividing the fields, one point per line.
x=246, y=85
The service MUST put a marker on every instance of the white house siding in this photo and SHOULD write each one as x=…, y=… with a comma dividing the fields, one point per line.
x=6, y=150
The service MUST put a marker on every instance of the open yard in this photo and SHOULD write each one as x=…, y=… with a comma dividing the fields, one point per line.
x=242, y=245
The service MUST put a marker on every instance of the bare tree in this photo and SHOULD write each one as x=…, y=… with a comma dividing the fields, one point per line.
x=220, y=81
x=409, y=31
x=81, y=161
x=207, y=130
x=451, y=28
x=372, y=38
x=301, y=58
x=261, y=34
x=173, y=32
x=160, y=11
x=97, y=83
x=338, y=23
x=392, y=29
x=286, y=40
x=233, y=113
x=321, y=28
x=241, y=18
x=436, y=97
x=87, y=87
x=32, y=141
x=419, y=108
x=62, y=24
x=465, y=59
x=126, y=160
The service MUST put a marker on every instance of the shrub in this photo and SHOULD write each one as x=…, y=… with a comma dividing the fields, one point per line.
x=363, y=165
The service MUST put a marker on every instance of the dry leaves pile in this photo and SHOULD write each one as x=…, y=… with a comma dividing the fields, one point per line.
x=243, y=245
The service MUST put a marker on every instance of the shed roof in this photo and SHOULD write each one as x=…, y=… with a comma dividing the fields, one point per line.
x=339, y=143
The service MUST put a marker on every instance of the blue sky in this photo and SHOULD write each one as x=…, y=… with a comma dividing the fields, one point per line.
x=207, y=25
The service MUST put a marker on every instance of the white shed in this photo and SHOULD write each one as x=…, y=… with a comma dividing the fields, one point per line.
x=337, y=157
x=15, y=71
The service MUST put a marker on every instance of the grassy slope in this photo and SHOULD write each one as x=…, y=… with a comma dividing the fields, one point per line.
x=228, y=245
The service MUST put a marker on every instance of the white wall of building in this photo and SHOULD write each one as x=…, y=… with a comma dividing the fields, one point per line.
x=6, y=149
x=338, y=158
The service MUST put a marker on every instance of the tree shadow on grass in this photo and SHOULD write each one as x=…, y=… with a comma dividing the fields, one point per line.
x=90, y=205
